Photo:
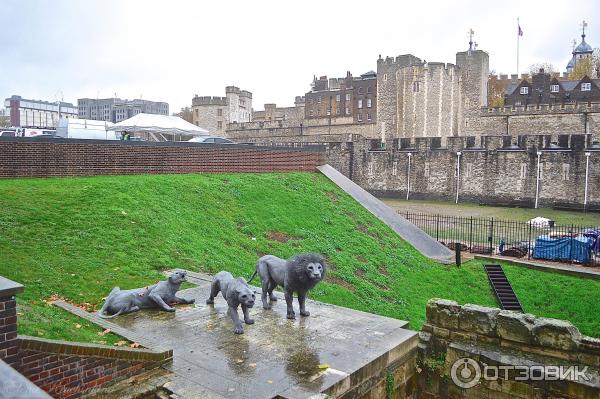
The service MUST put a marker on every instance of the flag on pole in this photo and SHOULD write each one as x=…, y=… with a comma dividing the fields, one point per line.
x=520, y=33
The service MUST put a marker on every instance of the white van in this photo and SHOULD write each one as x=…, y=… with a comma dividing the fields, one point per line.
x=85, y=129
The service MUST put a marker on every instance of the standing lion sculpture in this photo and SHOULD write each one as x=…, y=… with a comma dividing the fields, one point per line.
x=298, y=274
x=236, y=292
x=161, y=295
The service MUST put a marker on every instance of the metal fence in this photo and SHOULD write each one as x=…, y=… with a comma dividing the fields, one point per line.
x=550, y=242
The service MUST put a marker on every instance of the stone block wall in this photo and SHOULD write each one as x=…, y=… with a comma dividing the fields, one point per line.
x=494, y=337
x=24, y=157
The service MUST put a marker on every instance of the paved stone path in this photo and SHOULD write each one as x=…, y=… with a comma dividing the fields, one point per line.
x=274, y=356
x=573, y=270
x=405, y=229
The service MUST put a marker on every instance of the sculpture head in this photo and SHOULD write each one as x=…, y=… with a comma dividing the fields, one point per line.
x=178, y=277
x=315, y=271
x=244, y=294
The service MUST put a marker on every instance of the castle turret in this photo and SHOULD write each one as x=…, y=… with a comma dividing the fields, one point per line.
x=474, y=74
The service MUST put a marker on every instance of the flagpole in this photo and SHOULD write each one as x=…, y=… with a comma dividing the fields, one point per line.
x=518, y=36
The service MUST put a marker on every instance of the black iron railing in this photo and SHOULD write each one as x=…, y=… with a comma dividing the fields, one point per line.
x=542, y=241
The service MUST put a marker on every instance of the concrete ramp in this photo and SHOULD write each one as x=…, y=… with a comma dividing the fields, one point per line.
x=423, y=242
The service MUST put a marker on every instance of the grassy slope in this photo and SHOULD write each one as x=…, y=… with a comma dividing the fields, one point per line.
x=565, y=218
x=80, y=237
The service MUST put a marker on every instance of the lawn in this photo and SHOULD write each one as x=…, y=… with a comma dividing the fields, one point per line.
x=565, y=218
x=79, y=237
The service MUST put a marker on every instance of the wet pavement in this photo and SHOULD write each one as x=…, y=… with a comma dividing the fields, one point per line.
x=275, y=356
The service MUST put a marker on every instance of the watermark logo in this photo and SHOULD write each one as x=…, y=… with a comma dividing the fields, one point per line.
x=466, y=373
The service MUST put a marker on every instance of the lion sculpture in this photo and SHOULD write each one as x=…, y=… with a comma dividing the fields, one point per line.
x=298, y=274
x=160, y=295
x=236, y=292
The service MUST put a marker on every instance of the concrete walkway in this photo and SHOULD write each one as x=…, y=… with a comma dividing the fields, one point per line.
x=405, y=229
x=571, y=270
x=331, y=351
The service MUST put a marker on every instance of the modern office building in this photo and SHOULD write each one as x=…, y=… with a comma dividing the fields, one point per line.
x=116, y=110
x=37, y=113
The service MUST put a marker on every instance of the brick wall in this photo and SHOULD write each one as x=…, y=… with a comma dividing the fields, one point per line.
x=8, y=330
x=23, y=157
x=63, y=369
x=8, y=320
x=68, y=370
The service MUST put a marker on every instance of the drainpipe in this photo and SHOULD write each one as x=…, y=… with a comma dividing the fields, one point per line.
x=408, y=177
x=587, y=170
x=458, y=154
x=537, y=180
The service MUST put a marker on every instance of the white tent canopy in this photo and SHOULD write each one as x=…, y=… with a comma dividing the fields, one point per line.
x=151, y=123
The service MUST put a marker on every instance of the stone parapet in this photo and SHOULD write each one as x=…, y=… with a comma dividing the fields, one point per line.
x=491, y=336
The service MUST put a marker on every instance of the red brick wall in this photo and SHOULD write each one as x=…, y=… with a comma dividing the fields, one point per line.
x=8, y=330
x=68, y=369
x=64, y=376
x=23, y=157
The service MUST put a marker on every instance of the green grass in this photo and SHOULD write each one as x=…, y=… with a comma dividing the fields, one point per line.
x=79, y=237
x=565, y=218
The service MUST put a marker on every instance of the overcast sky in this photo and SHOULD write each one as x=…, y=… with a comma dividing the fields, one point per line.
x=170, y=50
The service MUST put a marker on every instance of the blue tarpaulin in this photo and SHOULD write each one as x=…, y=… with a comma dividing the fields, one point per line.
x=578, y=248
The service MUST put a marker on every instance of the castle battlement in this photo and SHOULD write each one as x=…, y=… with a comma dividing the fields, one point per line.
x=401, y=60
x=536, y=109
x=514, y=78
x=208, y=100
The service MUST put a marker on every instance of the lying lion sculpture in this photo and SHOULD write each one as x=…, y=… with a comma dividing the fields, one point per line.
x=236, y=292
x=160, y=295
x=297, y=274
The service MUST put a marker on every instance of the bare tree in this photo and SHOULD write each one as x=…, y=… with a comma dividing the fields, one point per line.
x=186, y=114
x=538, y=66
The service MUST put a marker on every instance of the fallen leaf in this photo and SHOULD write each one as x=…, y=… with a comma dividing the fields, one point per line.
x=238, y=361
x=72, y=274
x=324, y=366
x=123, y=213
x=135, y=345
x=252, y=365
x=103, y=333
x=77, y=325
x=269, y=381
x=120, y=343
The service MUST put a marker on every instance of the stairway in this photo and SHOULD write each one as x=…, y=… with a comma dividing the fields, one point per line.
x=504, y=292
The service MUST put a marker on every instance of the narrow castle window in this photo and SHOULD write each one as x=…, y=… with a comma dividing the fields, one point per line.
x=394, y=168
x=368, y=117
x=359, y=103
x=554, y=88
x=469, y=170
x=524, y=90
x=565, y=171
x=523, y=171
x=368, y=103
x=359, y=117
x=385, y=77
x=416, y=87
x=426, y=171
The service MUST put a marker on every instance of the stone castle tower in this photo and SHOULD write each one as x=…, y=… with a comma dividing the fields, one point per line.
x=416, y=98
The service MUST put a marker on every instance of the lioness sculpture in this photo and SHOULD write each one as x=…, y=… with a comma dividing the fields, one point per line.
x=160, y=295
x=298, y=274
x=236, y=292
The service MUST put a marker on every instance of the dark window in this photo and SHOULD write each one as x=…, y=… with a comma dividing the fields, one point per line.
x=563, y=140
x=436, y=142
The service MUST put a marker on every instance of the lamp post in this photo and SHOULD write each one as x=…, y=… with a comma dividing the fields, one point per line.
x=458, y=154
x=537, y=181
x=408, y=176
